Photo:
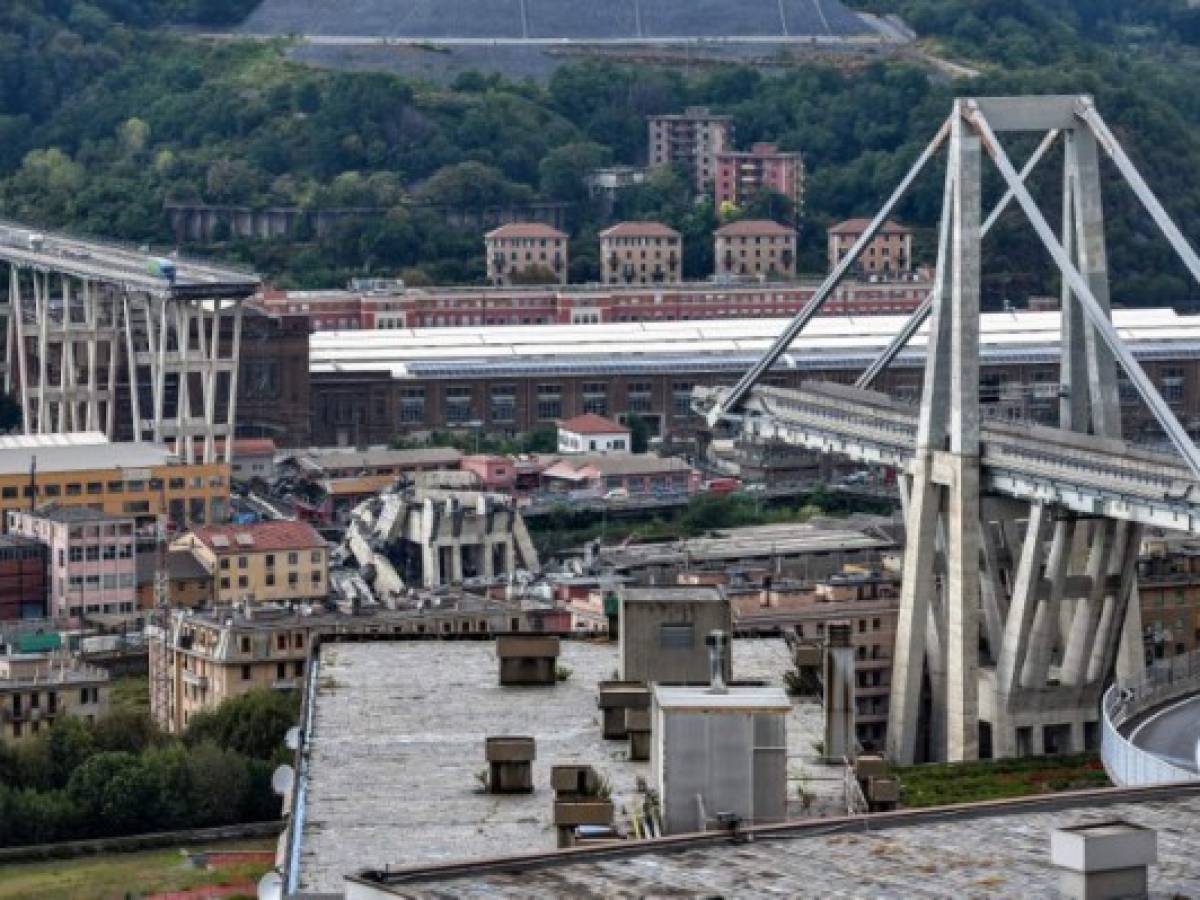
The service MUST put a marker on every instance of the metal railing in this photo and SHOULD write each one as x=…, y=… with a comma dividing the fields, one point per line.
x=1127, y=764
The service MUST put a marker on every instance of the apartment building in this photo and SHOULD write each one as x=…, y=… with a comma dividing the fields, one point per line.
x=755, y=248
x=264, y=562
x=525, y=253
x=743, y=173
x=889, y=253
x=142, y=481
x=640, y=253
x=36, y=689
x=197, y=659
x=1169, y=593
x=92, y=559
x=22, y=578
x=691, y=139
x=866, y=598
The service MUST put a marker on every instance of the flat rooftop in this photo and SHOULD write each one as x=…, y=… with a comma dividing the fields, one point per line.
x=999, y=850
x=77, y=452
x=756, y=541
x=101, y=261
x=828, y=342
x=397, y=739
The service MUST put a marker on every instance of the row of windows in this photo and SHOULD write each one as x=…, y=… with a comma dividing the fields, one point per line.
x=293, y=580
x=293, y=559
x=95, y=488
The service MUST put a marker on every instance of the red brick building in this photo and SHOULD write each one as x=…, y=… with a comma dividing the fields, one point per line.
x=743, y=173
x=22, y=578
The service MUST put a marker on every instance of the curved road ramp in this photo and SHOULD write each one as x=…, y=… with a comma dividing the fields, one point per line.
x=1151, y=725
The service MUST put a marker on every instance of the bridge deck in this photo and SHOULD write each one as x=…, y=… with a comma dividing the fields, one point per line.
x=113, y=264
x=1086, y=474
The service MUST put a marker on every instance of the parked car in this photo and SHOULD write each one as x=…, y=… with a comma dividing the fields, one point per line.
x=617, y=494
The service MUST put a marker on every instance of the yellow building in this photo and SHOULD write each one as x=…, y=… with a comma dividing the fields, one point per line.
x=284, y=561
x=139, y=480
x=200, y=658
x=37, y=688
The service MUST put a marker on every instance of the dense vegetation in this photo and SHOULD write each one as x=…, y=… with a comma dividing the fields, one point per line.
x=121, y=775
x=941, y=784
x=102, y=121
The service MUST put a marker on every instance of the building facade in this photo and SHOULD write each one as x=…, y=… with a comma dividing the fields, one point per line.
x=456, y=307
x=92, y=560
x=640, y=253
x=867, y=599
x=589, y=433
x=536, y=377
x=889, y=253
x=263, y=562
x=142, y=481
x=743, y=173
x=273, y=397
x=526, y=252
x=38, y=689
x=755, y=248
x=691, y=139
x=198, y=659
x=23, y=585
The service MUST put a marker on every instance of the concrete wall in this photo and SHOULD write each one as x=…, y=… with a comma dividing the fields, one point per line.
x=650, y=652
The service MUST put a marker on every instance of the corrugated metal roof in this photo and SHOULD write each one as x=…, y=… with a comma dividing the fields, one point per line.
x=710, y=345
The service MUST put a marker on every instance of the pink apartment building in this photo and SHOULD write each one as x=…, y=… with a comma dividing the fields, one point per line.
x=742, y=173
x=92, y=559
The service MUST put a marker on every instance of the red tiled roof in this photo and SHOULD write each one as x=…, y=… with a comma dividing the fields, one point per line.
x=590, y=423
x=858, y=226
x=639, y=229
x=524, y=230
x=265, y=537
x=753, y=227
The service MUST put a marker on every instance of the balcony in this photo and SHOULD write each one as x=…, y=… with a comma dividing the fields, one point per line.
x=198, y=681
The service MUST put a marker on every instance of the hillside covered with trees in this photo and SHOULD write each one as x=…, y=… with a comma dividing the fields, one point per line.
x=105, y=116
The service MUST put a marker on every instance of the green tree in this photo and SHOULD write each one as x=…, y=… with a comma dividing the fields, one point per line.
x=253, y=724
x=639, y=433
x=562, y=171
x=115, y=793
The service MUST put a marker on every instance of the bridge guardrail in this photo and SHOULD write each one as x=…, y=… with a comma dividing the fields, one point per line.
x=1126, y=763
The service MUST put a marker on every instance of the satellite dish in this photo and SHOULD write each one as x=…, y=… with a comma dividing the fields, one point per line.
x=281, y=780
x=270, y=887
x=291, y=740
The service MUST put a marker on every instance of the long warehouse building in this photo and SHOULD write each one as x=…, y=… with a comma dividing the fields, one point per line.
x=369, y=386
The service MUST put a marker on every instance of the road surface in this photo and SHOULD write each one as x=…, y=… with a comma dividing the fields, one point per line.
x=1170, y=732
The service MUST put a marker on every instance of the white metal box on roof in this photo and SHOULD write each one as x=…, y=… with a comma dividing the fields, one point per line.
x=719, y=753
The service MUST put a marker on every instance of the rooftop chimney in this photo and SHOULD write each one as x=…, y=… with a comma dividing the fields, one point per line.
x=718, y=646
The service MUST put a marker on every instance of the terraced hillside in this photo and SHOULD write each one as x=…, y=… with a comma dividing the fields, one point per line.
x=581, y=20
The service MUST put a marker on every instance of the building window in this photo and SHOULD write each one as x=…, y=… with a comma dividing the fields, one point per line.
x=281, y=670
x=412, y=405
x=549, y=401
x=595, y=397
x=225, y=564
x=458, y=405
x=503, y=406
x=245, y=673
x=681, y=398
x=245, y=643
x=243, y=562
x=243, y=581
x=225, y=584
x=270, y=560
x=293, y=559
x=639, y=396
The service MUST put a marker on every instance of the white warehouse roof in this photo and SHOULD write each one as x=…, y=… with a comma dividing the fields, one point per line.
x=828, y=341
